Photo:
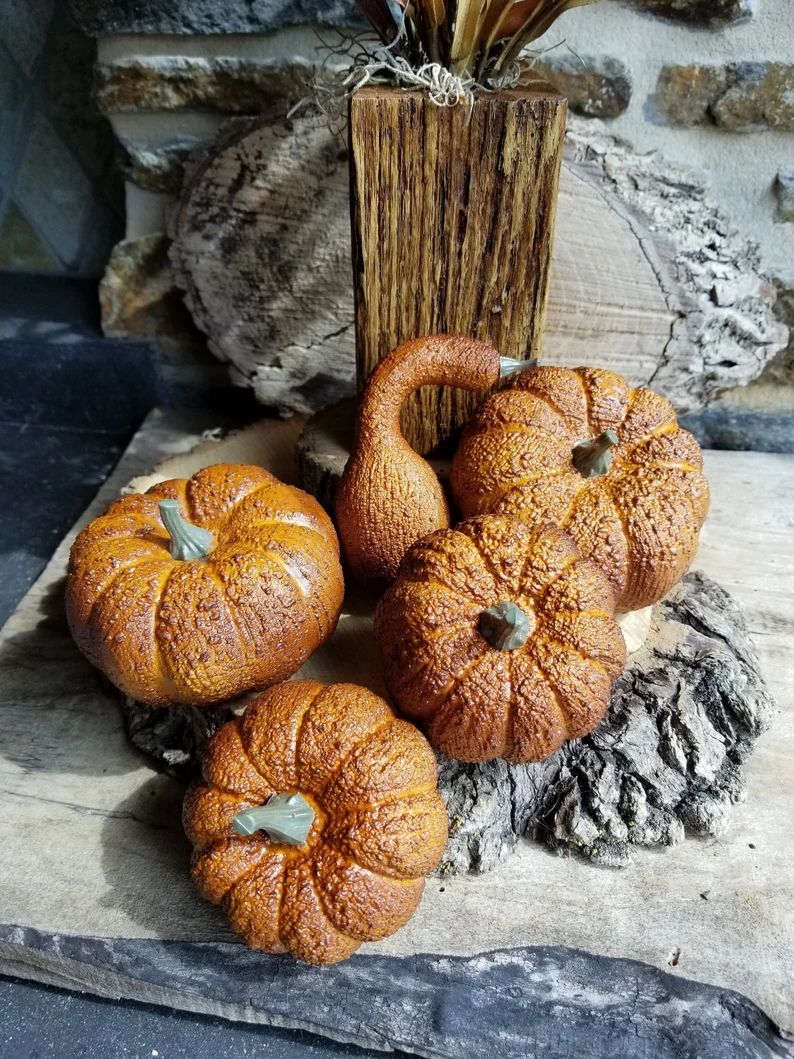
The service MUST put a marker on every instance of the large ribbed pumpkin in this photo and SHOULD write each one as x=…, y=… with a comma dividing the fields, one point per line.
x=317, y=820
x=606, y=462
x=201, y=589
x=499, y=640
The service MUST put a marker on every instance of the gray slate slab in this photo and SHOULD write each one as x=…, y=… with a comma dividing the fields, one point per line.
x=552, y=1001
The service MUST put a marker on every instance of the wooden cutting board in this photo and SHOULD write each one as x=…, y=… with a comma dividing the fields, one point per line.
x=691, y=950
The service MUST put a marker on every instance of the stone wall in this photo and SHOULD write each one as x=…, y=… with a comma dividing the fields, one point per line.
x=709, y=82
x=61, y=197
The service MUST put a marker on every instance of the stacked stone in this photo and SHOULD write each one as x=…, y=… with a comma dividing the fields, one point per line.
x=171, y=71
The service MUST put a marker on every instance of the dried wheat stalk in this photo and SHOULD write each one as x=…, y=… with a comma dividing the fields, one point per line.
x=471, y=38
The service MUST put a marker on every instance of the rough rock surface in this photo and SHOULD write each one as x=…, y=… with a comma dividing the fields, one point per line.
x=595, y=86
x=543, y=1000
x=101, y=17
x=137, y=293
x=668, y=757
x=706, y=13
x=226, y=83
x=175, y=738
x=740, y=97
x=784, y=189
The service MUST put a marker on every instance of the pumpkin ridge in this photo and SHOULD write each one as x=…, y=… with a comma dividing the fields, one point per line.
x=230, y=606
x=551, y=687
x=373, y=871
x=524, y=569
x=392, y=799
x=584, y=382
x=114, y=577
x=497, y=495
x=319, y=892
x=661, y=431
x=607, y=487
x=279, y=561
x=577, y=558
x=281, y=895
x=421, y=579
x=192, y=488
x=447, y=629
x=296, y=524
x=351, y=750
x=515, y=426
x=553, y=406
x=587, y=659
x=165, y=668
x=249, y=761
x=440, y=698
x=218, y=844
x=241, y=878
x=588, y=612
x=509, y=739
x=484, y=561
x=663, y=465
x=434, y=583
x=298, y=734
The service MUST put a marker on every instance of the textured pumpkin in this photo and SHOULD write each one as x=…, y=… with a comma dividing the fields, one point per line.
x=368, y=822
x=236, y=594
x=500, y=640
x=606, y=462
x=389, y=496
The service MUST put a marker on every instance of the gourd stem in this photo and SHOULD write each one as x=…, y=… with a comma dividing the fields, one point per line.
x=506, y=626
x=285, y=817
x=594, y=458
x=436, y=360
x=187, y=541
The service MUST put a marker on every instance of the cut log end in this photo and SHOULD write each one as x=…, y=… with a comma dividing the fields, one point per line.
x=629, y=289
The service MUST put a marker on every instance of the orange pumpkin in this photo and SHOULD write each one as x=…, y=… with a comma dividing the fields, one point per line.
x=607, y=463
x=317, y=820
x=389, y=496
x=198, y=611
x=500, y=640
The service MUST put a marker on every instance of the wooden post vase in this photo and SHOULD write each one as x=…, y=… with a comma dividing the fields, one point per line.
x=452, y=219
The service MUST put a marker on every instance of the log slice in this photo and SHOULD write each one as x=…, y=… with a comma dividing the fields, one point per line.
x=648, y=277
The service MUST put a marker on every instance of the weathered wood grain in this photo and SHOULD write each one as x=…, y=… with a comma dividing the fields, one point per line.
x=648, y=276
x=453, y=212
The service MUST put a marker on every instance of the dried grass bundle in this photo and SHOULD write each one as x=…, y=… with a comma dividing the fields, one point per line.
x=470, y=38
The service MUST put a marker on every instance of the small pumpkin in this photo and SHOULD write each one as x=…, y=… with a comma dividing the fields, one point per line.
x=388, y=496
x=201, y=589
x=317, y=820
x=500, y=640
x=606, y=462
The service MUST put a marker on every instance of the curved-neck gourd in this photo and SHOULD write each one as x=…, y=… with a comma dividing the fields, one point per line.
x=389, y=496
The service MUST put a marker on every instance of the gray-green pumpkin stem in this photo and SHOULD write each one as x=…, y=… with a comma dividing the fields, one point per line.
x=510, y=366
x=187, y=541
x=505, y=626
x=594, y=458
x=285, y=817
